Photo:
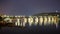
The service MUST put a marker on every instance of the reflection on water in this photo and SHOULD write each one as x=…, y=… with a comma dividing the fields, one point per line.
x=31, y=29
x=31, y=24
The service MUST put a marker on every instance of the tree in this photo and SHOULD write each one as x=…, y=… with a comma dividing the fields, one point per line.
x=1, y=19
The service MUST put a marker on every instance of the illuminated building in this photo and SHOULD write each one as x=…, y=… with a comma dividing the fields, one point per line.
x=42, y=18
x=50, y=18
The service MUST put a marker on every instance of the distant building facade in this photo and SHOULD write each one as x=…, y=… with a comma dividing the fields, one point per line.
x=42, y=18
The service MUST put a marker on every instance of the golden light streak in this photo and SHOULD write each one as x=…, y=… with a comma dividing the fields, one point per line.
x=30, y=20
x=56, y=20
x=18, y=22
x=41, y=20
x=24, y=21
x=45, y=20
x=36, y=20
x=49, y=19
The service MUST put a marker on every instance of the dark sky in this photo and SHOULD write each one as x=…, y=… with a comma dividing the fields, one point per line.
x=28, y=7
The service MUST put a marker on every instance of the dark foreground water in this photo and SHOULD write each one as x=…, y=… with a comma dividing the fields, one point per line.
x=32, y=29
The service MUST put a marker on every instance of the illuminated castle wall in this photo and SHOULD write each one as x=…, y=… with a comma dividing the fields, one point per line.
x=44, y=18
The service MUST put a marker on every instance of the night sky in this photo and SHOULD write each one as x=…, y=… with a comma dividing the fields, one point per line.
x=27, y=7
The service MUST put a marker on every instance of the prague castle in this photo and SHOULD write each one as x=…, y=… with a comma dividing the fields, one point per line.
x=41, y=19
